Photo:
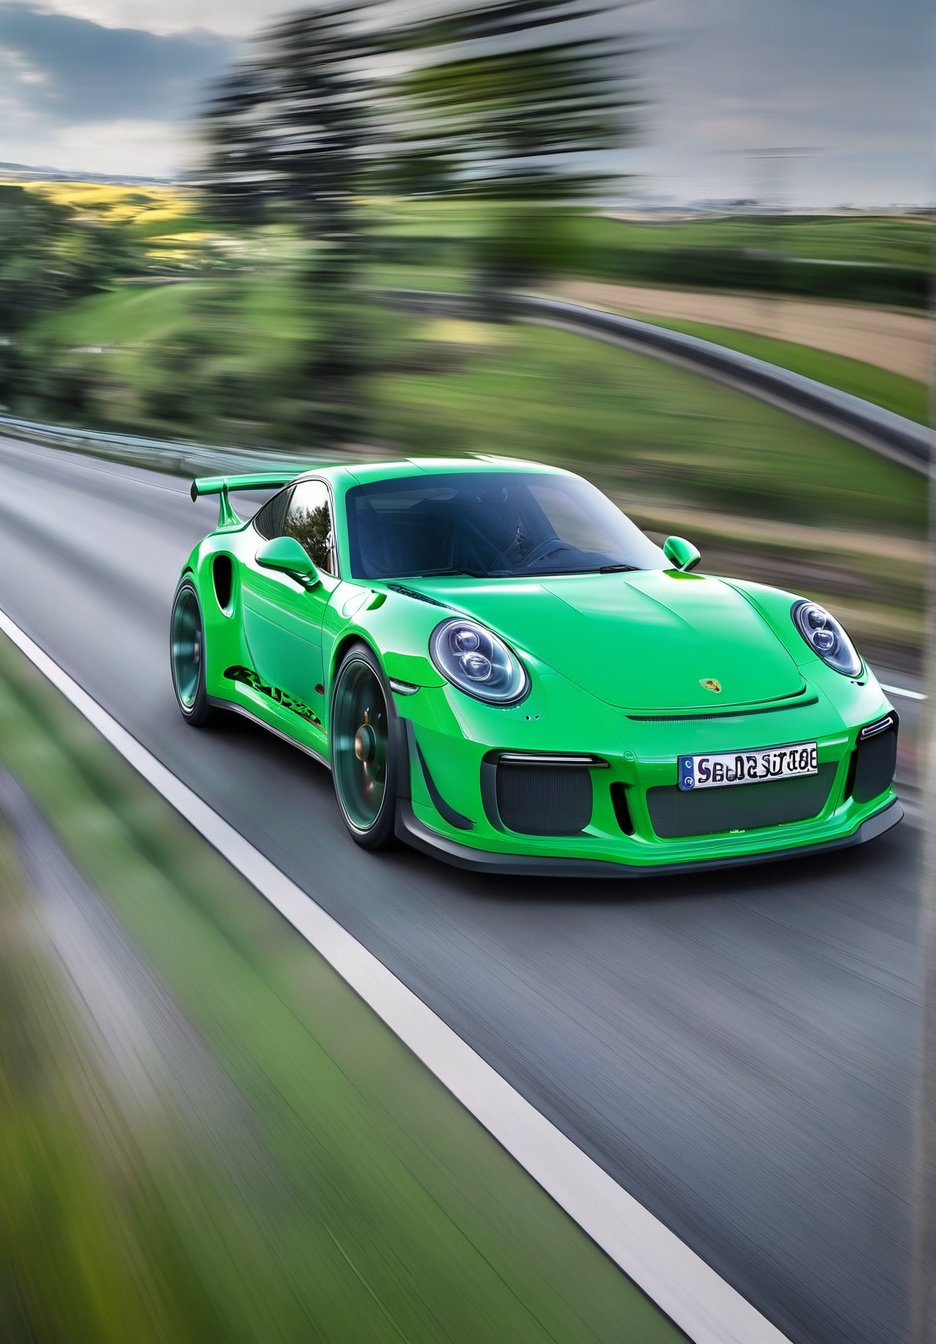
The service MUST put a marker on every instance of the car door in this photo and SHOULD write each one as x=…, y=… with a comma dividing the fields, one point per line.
x=282, y=618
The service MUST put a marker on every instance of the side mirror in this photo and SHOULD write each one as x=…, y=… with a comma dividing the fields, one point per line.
x=681, y=553
x=286, y=555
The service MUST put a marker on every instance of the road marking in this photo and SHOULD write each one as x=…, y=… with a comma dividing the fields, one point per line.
x=899, y=690
x=707, y=1308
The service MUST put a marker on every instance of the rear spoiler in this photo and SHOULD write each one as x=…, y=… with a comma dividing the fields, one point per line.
x=255, y=480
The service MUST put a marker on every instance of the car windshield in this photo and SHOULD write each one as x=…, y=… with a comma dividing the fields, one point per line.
x=490, y=525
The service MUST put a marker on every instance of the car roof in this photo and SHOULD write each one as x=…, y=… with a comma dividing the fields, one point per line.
x=362, y=473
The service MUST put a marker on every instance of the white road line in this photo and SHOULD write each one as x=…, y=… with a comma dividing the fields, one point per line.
x=899, y=690
x=707, y=1308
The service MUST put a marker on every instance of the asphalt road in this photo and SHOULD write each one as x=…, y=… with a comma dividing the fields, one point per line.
x=738, y=1050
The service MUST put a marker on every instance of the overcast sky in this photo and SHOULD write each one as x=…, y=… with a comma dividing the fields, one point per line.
x=845, y=86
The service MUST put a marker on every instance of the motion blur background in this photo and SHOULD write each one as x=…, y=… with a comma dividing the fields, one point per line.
x=757, y=175
x=306, y=233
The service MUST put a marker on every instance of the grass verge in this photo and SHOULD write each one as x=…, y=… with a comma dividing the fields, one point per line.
x=564, y=398
x=328, y=1188
x=905, y=396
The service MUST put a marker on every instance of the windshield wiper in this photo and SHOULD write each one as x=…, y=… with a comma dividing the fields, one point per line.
x=545, y=573
x=617, y=569
x=449, y=573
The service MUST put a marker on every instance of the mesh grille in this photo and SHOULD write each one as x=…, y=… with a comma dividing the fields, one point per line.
x=876, y=760
x=543, y=799
x=739, y=807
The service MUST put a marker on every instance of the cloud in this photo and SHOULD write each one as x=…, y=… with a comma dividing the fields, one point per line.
x=70, y=71
x=846, y=79
x=843, y=79
x=176, y=16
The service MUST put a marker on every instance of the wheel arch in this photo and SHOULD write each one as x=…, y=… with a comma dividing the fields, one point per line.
x=347, y=641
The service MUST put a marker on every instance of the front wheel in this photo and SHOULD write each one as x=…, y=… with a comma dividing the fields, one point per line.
x=187, y=656
x=365, y=753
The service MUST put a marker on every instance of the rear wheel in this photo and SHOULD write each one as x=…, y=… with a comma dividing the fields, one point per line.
x=187, y=656
x=365, y=753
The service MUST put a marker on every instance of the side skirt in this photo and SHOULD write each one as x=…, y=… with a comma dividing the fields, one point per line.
x=234, y=708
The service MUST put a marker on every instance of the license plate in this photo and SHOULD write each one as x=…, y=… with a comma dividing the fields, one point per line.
x=747, y=767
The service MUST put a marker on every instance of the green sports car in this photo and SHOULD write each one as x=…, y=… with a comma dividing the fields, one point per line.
x=501, y=669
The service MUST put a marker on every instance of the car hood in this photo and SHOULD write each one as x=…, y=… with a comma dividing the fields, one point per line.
x=643, y=641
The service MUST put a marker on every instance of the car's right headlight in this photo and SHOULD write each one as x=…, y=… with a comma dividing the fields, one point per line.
x=825, y=636
x=478, y=662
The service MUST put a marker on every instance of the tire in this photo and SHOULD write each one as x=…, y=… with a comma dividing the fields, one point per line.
x=366, y=749
x=187, y=656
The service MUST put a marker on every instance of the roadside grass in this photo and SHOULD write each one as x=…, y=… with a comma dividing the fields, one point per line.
x=539, y=392
x=130, y=313
x=651, y=429
x=266, y=307
x=412, y=275
x=905, y=396
x=329, y=1188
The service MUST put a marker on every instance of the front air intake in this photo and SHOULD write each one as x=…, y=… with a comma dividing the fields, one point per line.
x=874, y=759
x=739, y=807
x=542, y=799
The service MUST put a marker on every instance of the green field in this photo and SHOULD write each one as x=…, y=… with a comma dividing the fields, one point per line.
x=270, y=309
x=881, y=240
x=132, y=313
x=552, y=395
x=540, y=393
x=864, y=238
x=869, y=259
x=167, y=221
x=862, y=258
x=231, y=1146
x=905, y=396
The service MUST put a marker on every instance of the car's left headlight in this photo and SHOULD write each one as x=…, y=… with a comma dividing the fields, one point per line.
x=825, y=636
x=478, y=662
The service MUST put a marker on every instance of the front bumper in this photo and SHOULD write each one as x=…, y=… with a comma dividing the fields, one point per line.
x=449, y=807
x=416, y=833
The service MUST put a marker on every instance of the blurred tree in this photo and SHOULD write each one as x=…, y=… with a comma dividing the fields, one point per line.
x=523, y=104
x=292, y=134
x=49, y=258
x=518, y=103
x=517, y=99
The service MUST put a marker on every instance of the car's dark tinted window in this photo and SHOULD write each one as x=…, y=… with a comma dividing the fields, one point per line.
x=271, y=519
x=491, y=524
x=309, y=520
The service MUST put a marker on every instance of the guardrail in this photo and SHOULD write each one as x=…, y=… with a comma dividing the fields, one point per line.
x=165, y=455
x=872, y=426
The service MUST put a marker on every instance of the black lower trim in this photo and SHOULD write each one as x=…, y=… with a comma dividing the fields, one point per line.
x=444, y=809
x=417, y=834
x=233, y=708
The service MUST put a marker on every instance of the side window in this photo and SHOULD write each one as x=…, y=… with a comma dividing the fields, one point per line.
x=270, y=521
x=309, y=520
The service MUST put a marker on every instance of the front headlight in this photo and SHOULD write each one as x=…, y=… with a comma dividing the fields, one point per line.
x=477, y=662
x=826, y=637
